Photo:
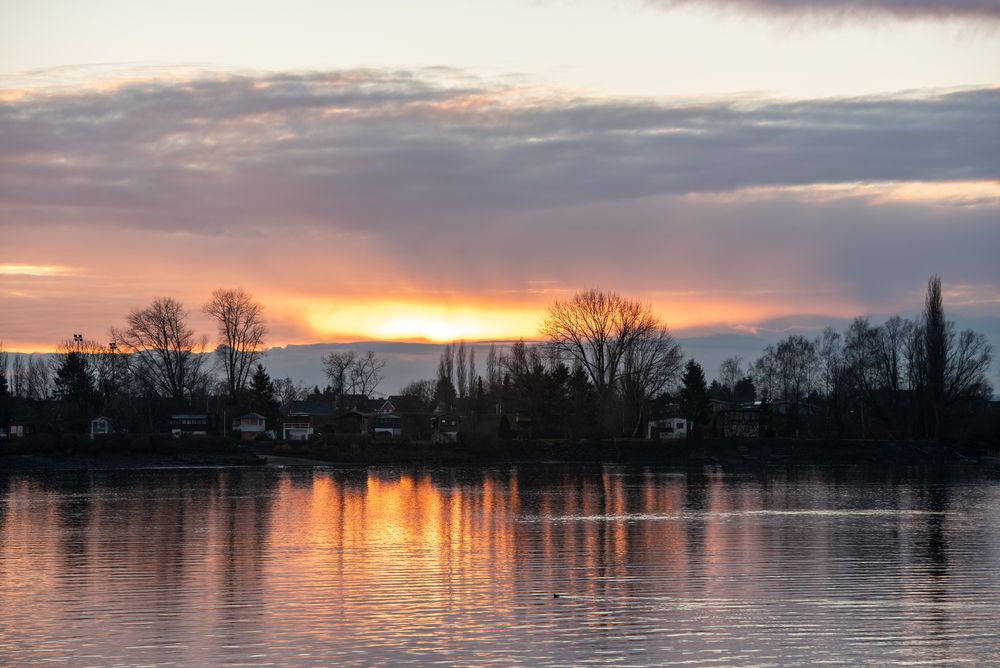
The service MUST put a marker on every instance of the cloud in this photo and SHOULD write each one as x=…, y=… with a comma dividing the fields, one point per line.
x=377, y=149
x=904, y=9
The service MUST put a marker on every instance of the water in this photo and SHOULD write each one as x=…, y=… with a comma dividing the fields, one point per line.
x=404, y=567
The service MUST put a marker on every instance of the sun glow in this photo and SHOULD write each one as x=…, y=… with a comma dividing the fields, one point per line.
x=401, y=321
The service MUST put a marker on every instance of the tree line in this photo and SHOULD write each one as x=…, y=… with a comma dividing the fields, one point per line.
x=604, y=366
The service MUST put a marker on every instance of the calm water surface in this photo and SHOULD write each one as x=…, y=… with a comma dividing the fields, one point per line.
x=398, y=567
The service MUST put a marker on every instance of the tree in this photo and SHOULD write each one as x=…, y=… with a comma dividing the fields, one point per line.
x=935, y=351
x=421, y=391
x=338, y=369
x=694, y=394
x=263, y=393
x=4, y=387
x=163, y=351
x=286, y=391
x=241, y=329
x=366, y=373
x=596, y=330
x=730, y=373
x=73, y=380
x=648, y=367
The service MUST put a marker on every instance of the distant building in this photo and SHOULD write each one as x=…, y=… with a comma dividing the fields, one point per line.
x=444, y=427
x=251, y=426
x=352, y=422
x=100, y=427
x=18, y=429
x=667, y=429
x=388, y=426
x=189, y=424
x=742, y=422
x=297, y=427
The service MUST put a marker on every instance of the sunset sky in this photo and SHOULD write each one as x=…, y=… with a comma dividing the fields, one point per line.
x=396, y=170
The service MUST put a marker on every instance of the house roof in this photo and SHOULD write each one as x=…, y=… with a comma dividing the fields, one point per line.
x=311, y=407
x=253, y=415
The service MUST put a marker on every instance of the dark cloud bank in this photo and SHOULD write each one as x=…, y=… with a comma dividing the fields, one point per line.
x=369, y=148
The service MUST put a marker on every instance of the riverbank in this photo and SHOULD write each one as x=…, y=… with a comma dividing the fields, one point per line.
x=122, y=451
x=151, y=451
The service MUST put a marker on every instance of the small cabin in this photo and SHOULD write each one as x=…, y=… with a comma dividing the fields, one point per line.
x=667, y=429
x=351, y=422
x=252, y=425
x=100, y=427
x=444, y=427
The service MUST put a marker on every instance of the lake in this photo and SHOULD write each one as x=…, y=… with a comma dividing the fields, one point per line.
x=537, y=565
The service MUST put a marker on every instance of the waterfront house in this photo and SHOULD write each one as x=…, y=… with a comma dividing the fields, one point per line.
x=100, y=426
x=251, y=426
x=444, y=427
x=388, y=426
x=297, y=427
x=189, y=424
x=667, y=428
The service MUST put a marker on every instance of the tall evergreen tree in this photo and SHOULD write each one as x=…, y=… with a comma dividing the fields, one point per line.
x=73, y=382
x=262, y=393
x=694, y=394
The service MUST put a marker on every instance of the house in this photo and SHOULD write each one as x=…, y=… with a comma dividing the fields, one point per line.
x=667, y=428
x=742, y=422
x=99, y=427
x=444, y=427
x=297, y=427
x=252, y=425
x=189, y=424
x=18, y=429
x=388, y=426
x=352, y=422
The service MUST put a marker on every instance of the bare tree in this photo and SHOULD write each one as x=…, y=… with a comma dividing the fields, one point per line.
x=730, y=372
x=162, y=350
x=649, y=367
x=366, y=373
x=969, y=359
x=338, y=369
x=422, y=391
x=38, y=381
x=241, y=329
x=472, y=371
x=461, y=371
x=286, y=391
x=18, y=377
x=596, y=329
x=493, y=378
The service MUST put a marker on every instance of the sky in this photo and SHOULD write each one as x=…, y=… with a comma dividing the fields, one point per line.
x=402, y=171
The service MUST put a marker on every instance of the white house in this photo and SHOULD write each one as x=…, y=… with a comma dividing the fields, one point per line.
x=251, y=425
x=297, y=427
x=667, y=428
x=100, y=426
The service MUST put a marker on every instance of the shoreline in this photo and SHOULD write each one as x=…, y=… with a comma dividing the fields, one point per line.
x=749, y=454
